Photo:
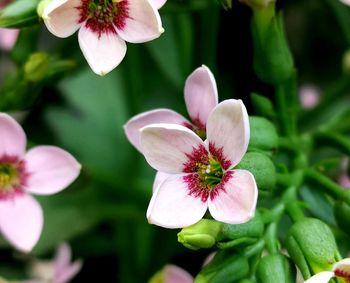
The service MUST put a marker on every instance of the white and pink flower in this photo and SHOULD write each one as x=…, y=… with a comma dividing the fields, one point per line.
x=58, y=270
x=341, y=270
x=347, y=2
x=198, y=174
x=104, y=27
x=43, y=170
x=201, y=97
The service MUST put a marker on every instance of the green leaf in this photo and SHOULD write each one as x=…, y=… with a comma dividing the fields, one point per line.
x=20, y=13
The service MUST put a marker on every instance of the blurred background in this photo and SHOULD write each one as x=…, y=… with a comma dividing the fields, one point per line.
x=103, y=214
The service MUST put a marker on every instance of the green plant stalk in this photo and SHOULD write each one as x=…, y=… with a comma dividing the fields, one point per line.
x=334, y=139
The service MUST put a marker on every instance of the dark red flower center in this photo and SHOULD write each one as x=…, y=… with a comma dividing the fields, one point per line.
x=208, y=172
x=13, y=176
x=102, y=16
x=344, y=274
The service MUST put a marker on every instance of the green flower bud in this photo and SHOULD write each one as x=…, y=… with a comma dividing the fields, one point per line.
x=262, y=168
x=262, y=105
x=275, y=268
x=36, y=67
x=203, y=234
x=225, y=267
x=263, y=134
x=312, y=246
x=254, y=228
x=273, y=62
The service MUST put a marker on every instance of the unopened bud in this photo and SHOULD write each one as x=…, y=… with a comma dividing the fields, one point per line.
x=36, y=68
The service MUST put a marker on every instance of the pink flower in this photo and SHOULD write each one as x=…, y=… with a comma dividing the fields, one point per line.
x=58, y=270
x=309, y=96
x=8, y=37
x=201, y=97
x=347, y=2
x=340, y=271
x=104, y=26
x=43, y=170
x=172, y=274
x=200, y=174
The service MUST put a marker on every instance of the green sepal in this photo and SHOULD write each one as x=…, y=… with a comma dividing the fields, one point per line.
x=263, y=169
x=275, y=268
x=263, y=134
x=18, y=14
x=224, y=268
x=262, y=105
x=312, y=246
x=273, y=62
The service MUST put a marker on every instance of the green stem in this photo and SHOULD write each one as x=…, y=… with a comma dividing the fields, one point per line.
x=255, y=249
x=271, y=238
x=325, y=183
x=292, y=205
x=333, y=139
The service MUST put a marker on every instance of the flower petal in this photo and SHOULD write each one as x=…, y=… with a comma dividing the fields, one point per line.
x=342, y=266
x=13, y=139
x=236, y=202
x=175, y=274
x=171, y=205
x=322, y=277
x=228, y=130
x=68, y=272
x=157, y=3
x=142, y=24
x=347, y=2
x=8, y=38
x=159, y=179
x=50, y=169
x=62, y=257
x=166, y=146
x=201, y=95
x=21, y=221
x=61, y=17
x=133, y=126
x=103, y=52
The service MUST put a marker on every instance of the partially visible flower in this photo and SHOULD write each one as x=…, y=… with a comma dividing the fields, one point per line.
x=8, y=37
x=43, y=170
x=344, y=179
x=58, y=270
x=158, y=3
x=201, y=174
x=309, y=96
x=201, y=97
x=172, y=274
x=104, y=27
x=347, y=2
x=340, y=270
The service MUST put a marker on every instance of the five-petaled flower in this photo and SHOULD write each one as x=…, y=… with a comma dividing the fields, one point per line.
x=43, y=170
x=200, y=173
x=104, y=26
x=341, y=270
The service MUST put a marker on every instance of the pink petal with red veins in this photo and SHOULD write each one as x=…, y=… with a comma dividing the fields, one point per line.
x=171, y=205
x=228, y=130
x=21, y=221
x=322, y=277
x=166, y=147
x=103, y=52
x=142, y=24
x=61, y=17
x=133, y=126
x=342, y=268
x=158, y=3
x=201, y=95
x=235, y=203
x=50, y=170
x=13, y=139
x=175, y=274
x=159, y=179
x=8, y=38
